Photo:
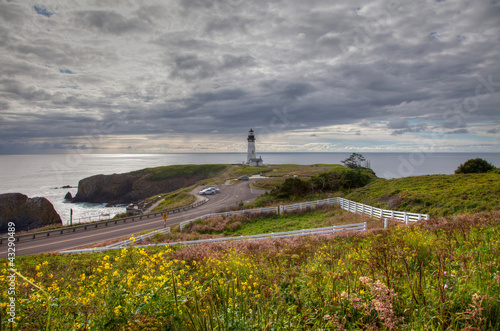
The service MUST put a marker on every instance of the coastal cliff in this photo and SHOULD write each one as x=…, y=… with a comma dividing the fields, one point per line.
x=125, y=188
x=26, y=213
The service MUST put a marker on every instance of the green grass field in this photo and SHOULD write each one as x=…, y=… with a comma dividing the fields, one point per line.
x=250, y=224
x=435, y=195
x=178, y=199
x=191, y=170
x=439, y=275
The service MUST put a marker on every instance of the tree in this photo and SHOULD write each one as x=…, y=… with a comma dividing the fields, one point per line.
x=356, y=161
x=475, y=166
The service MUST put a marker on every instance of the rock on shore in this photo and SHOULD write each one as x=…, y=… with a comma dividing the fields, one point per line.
x=26, y=213
x=137, y=185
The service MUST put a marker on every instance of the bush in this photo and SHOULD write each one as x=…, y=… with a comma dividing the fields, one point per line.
x=355, y=178
x=293, y=188
x=475, y=166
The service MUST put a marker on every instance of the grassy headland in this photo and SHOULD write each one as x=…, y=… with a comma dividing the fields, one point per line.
x=436, y=195
x=186, y=170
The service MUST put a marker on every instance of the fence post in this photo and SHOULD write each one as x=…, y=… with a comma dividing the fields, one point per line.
x=371, y=211
x=365, y=227
x=385, y=223
x=406, y=218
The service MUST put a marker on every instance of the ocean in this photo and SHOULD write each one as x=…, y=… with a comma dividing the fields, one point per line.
x=45, y=175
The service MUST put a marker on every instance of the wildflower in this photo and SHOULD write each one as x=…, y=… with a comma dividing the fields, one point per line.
x=445, y=286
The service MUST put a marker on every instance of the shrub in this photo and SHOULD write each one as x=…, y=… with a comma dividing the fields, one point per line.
x=475, y=166
x=331, y=181
x=294, y=186
x=356, y=161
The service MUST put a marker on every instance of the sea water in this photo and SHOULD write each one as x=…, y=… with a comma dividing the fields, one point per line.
x=45, y=175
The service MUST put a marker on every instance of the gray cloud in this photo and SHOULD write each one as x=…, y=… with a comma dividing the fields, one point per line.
x=109, y=22
x=371, y=70
x=458, y=131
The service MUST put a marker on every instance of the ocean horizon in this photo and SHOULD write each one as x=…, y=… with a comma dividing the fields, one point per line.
x=44, y=175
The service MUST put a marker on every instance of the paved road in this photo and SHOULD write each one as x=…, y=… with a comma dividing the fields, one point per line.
x=229, y=196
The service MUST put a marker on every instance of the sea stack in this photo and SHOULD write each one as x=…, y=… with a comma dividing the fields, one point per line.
x=26, y=213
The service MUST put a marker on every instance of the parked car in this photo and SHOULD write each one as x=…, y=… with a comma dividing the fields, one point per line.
x=243, y=178
x=207, y=191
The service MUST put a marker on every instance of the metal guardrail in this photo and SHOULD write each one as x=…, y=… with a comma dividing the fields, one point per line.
x=358, y=227
x=89, y=218
x=134, y=218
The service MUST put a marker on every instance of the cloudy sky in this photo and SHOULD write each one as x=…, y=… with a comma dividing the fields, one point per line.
x=195, y=75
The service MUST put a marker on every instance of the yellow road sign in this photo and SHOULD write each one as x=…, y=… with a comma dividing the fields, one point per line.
x=164, y=216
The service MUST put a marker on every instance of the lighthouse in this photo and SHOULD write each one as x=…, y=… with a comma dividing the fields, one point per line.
x=252, y=159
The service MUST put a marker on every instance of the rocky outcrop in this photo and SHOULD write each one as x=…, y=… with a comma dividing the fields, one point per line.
x=137, y=185
x=26, y=213
x=68, y=196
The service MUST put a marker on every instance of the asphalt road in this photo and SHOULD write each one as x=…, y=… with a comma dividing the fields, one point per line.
x=230, y=195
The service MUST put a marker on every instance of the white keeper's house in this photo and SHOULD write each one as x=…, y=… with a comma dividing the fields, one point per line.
x=252, y=160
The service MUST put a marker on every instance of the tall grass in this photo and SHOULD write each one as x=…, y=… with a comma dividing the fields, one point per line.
x=441, y=274
x=438, y=195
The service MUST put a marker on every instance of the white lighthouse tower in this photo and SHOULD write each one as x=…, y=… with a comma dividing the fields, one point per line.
x=252, y=159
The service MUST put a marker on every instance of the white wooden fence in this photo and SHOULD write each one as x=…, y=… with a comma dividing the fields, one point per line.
x=356, y=207
x=358, y=227
x=345, y=204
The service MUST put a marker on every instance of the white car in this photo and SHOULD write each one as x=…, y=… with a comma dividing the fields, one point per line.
x=207, y=191
x=214, y=189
